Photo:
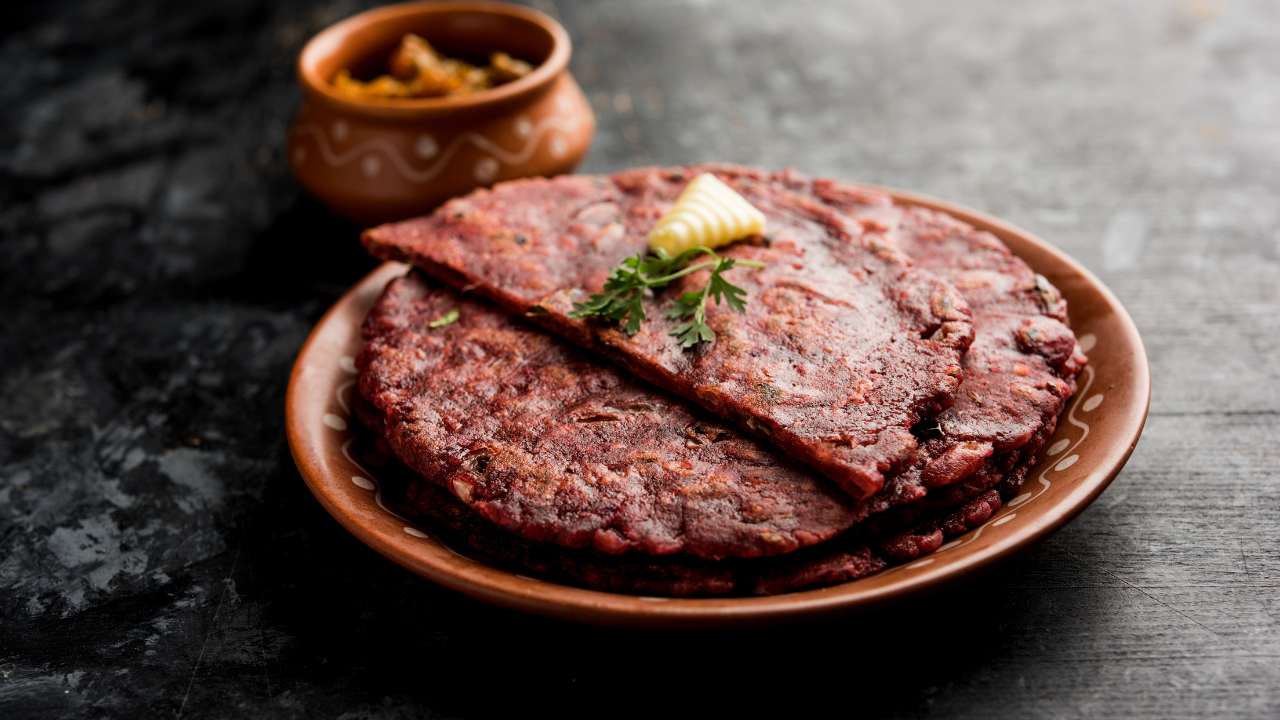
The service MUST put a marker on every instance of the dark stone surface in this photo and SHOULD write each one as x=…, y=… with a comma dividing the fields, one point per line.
x=159, y=269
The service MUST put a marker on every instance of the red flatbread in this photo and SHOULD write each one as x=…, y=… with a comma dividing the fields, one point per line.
x=843, y=347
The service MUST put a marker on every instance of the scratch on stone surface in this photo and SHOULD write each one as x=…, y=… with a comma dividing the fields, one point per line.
x=1213, y=413
x=1158, y=601
x=262, y=635
x=226, y=585
x=1244, y=560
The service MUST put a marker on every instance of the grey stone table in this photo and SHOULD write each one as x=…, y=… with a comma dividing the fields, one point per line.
x=159, y=555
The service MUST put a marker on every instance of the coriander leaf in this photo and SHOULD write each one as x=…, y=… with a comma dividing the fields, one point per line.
x=631, y=309
x=595, y=305
x=691, y=333
x=718, y=286
x=446, y=319
x=657, y=266
x=684, y=306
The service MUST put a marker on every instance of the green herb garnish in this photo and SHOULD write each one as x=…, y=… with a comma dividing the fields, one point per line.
x=445, y=319
x=623, y=295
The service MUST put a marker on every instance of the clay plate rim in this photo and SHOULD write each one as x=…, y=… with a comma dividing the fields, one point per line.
x=1115, y=392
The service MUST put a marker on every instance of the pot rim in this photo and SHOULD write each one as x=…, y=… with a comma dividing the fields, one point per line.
x=327, y=41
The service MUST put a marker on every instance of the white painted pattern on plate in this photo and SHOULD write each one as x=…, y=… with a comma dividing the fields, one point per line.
x=565, y=124
x=1030, y=494
x=341, y=396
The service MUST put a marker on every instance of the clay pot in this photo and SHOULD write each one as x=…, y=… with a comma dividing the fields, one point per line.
x=382, y=159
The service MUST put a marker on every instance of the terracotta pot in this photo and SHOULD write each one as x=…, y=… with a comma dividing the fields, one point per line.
x=382, y=159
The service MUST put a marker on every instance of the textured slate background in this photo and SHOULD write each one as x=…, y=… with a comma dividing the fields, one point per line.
x=159, y=555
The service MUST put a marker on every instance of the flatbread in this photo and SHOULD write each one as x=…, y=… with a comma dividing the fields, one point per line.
x=843, y=347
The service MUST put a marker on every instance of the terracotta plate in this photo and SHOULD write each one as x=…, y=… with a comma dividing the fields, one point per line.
x=1094, y=439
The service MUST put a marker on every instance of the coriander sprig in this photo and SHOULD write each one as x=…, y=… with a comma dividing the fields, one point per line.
x=623, y=295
